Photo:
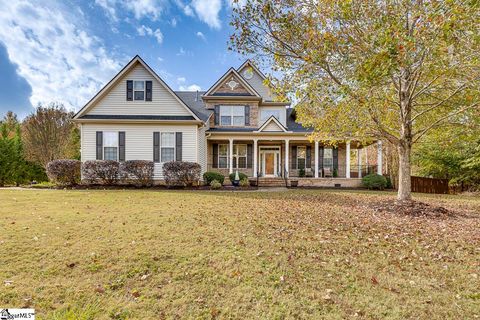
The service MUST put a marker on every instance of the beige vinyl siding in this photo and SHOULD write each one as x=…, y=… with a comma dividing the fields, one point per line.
x=202, y=148
x=272, y=126
x=115, y=101
x=257, y=83
x=139, y=141
x=283, y=114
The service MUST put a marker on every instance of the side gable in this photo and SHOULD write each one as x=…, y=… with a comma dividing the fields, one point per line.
x=111, y=100
x=255, y=78
x=272, y=125
x=232, y=84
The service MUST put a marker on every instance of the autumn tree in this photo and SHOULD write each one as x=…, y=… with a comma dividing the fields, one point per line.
x=49, y=134
x=368, y=69
x=12, y=163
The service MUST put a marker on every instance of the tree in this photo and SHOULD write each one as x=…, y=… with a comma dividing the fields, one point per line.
x=49, y=134
x=368, y=69
x=12, y=163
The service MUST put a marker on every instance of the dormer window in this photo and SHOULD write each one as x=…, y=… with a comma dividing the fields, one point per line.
x=139, y=90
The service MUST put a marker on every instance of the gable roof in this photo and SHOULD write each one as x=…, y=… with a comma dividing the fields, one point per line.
x=251, y=64
x=240, y=78
x=194, y=101
x=129, y=66
x=274, y=121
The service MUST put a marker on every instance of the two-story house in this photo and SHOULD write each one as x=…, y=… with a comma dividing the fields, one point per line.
x=234, y=125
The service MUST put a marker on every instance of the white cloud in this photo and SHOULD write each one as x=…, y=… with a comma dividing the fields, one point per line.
x=59, y=60
x=207, y=11
x=192, y=87
x=182, y=52
x=201, y=36
x=146, y=31
x=188, y=11
x=173, y=22
x=181, y=80
x=146, y=8
x=109, y=7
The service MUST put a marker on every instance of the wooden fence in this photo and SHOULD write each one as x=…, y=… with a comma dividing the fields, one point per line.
x=430, y=185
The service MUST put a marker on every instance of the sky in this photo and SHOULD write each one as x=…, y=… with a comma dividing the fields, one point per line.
x=65, y=51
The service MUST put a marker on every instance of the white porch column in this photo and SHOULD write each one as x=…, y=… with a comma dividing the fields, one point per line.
x=255, y=160
x=286, y=165
x=230, y=152
x=379, y=158
x=347, y=169
x=316, y=159
x=359, y=162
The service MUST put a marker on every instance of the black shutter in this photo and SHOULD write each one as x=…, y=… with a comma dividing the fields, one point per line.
x=156, y=147
x=320, y=160
x=178, y=146
x=99, y=145
x=121, y=146
x=249, y=155
x=335, y=158
x=216, y=115
x=148, y=90
x=129, y=90
x=215, y=155
x=293, y=157
x=247, y=115
x=308, y=160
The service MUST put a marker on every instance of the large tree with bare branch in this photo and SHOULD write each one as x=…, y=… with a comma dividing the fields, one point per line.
x=390, y=69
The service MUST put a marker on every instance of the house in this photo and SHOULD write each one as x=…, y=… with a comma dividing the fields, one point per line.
x=235, y=125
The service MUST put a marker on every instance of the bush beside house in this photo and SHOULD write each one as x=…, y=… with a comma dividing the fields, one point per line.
x=181, y=173
x=64, y=171
x=374, y=181
x=137, y=172
x=106, y=172
x=209, y=176
x=242, y=176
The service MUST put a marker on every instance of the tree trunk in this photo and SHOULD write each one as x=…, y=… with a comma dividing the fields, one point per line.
x=404, y=173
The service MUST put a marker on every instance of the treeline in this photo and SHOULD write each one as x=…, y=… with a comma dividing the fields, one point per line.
x=27, y=146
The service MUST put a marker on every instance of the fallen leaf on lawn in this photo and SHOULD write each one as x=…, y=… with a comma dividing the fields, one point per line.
x=374, y=280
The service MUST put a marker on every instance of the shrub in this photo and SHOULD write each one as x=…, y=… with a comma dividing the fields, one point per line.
x=301, y=173
x=374, y=181
x=209, y=176
x=101, y=171
x=242, y=176
x=138, y=172
x=244, y=183
x=215, y=185
x=181, y=173
x=64, y=171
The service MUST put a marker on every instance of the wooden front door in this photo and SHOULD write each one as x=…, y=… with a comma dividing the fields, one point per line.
x=269, y=163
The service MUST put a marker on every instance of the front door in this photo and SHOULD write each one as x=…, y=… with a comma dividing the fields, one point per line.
x=269, y=163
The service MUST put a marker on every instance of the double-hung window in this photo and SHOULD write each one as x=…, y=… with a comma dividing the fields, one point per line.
x=139, y=90
x=167, y=146
x=328, y=158
x=223, y=155
x=232, y=116
x=240, y=156
x=301, y=157
x=110, y=146
x=266, y=113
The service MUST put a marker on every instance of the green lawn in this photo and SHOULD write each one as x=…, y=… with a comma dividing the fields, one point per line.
x=246, y=255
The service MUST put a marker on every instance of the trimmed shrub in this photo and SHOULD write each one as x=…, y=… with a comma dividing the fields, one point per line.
x=181, y=173
x=209, y=176
x=244, y=183
x=215, y=185
x=64, y=171
x=138, y=172
x=374, y=181
x=242, y=176
x=106, y=172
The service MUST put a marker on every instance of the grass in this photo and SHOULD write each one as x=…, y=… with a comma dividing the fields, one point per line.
x=78, y=254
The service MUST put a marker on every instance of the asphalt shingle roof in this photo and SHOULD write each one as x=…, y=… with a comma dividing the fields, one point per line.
x=193, y=99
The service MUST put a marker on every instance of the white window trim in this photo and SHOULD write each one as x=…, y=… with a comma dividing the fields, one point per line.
x=222, y=156
x=103, y=144
x=144, y=90
x=231, y=107
x=236, y=156
x=174, y=146
x=305, y=158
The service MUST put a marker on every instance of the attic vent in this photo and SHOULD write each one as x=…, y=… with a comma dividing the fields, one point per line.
x=232, y=84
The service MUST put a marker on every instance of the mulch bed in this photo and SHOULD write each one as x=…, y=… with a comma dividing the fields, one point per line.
x=413, y=208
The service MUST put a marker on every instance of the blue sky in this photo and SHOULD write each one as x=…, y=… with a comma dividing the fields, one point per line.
x=65, y=51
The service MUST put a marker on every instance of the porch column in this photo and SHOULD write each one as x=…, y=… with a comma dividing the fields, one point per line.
x=255, y=160
x=230, y=151
x=347, y=169
x=359, y=162
x=286, y=165
x=316, y=159
x=379, y=158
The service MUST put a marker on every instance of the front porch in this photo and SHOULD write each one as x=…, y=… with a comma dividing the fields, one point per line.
x=301, y=159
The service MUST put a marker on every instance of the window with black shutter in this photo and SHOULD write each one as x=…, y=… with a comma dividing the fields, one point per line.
x=148, y=90
x=129, y=90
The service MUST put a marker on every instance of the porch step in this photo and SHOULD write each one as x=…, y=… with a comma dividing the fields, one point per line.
x=271, y=182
